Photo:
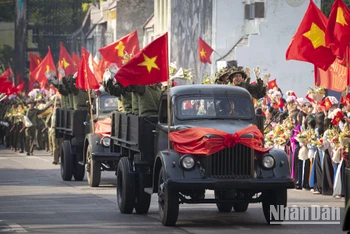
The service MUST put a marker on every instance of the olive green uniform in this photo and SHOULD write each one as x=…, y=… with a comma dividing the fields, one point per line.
x=32, y=131
x=148, y=97
x=257, y=90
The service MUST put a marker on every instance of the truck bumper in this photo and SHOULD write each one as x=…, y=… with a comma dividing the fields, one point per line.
x=105, y=156
x=217, y=184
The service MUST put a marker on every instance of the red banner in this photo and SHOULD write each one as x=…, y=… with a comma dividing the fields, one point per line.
x=335, y=78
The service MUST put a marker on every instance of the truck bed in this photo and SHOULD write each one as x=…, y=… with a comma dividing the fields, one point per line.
x=134, y=133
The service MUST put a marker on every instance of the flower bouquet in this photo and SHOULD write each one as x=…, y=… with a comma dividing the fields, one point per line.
x=317, y=93
x=302, y=137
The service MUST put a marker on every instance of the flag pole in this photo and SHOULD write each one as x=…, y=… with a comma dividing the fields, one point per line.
x=169, y=119
x=90, y=109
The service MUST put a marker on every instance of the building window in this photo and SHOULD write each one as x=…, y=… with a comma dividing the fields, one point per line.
x=254, y=10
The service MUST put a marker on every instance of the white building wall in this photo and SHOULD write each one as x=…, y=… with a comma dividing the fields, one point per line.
x=268, y=48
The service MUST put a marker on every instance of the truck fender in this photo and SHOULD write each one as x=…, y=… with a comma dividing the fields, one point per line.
x=167, y=159
x=281, y=169
x=92, y=140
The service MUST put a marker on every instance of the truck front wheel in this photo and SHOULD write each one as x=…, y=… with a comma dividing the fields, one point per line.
x=223, y=195
x=78, y=170
x=125, y=187
x=277, y=199
x=168, y=202
x=66, y=161
x=93, y=169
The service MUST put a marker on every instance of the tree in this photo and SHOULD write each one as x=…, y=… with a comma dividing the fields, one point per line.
x=327, y=5
x=6, y=57
x=7, y=10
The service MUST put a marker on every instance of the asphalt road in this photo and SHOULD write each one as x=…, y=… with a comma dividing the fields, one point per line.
x=34, y=199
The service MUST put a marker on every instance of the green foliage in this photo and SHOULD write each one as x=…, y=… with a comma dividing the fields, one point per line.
x=6, y=57
x=7, y=10
x=326, y=6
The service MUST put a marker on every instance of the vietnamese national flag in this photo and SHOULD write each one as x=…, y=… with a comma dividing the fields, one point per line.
x=5, y=87
x=309, y=44
x=8, y=73
x=85, y=78
x=204, y=51
x=115, y=52
x=65, y=62
x=45, y=67
x=338, y=28
x=149, y=66
x=34, y=61
x=76, y=60
x=325, y=104
x=272, y=84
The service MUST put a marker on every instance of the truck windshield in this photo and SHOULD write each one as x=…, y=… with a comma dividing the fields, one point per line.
x=108, y=103
x=214, y=107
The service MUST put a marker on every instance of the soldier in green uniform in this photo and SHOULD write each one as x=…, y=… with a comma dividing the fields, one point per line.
x=148, y=96
x=54, y=142
x=239, y=78
x=30, y=132
x=19, y=138
x=124, y=94
x=79, y=96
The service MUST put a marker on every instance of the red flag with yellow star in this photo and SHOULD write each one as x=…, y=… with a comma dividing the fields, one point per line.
x=115, y=52
x=325, y=104
x=65, y=62
x=76, y=60
x=338, y=28
x=308, y=44
x=149, y=66
x=204, y=51
x=85, y=78
x=44, y=68
x=34, y=61
x=272, y=84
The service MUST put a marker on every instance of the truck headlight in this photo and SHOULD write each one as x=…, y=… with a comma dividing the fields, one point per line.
x=106, y=141
x=268, y=162
x=187, y=161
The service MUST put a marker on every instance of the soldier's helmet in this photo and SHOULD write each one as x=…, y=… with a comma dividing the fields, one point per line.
x=234, y=71
x=222, y=73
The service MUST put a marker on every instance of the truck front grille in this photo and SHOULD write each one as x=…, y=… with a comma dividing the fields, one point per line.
x=235, y=162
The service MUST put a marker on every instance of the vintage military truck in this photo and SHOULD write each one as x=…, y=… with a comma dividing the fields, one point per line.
x=81, y=147
x=238, y=175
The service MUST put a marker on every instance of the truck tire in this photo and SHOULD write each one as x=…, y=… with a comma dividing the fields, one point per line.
x=223, y=207
x=241, y=207
x=275, y=198
x=93, y=169
x=66, y=161
x=125, y=187
x=142, y=200
x=78, y=170
x=168, y=202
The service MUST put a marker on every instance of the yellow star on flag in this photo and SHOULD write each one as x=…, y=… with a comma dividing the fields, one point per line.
x=64, y=63
x=75, y=64
x=38, y=61
x=120, y=47
x=149, y=63
x=327, y=104
x=316, y=36
x=203, y=53
x=337, y=119
x=47, y=69
x=340, y=17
